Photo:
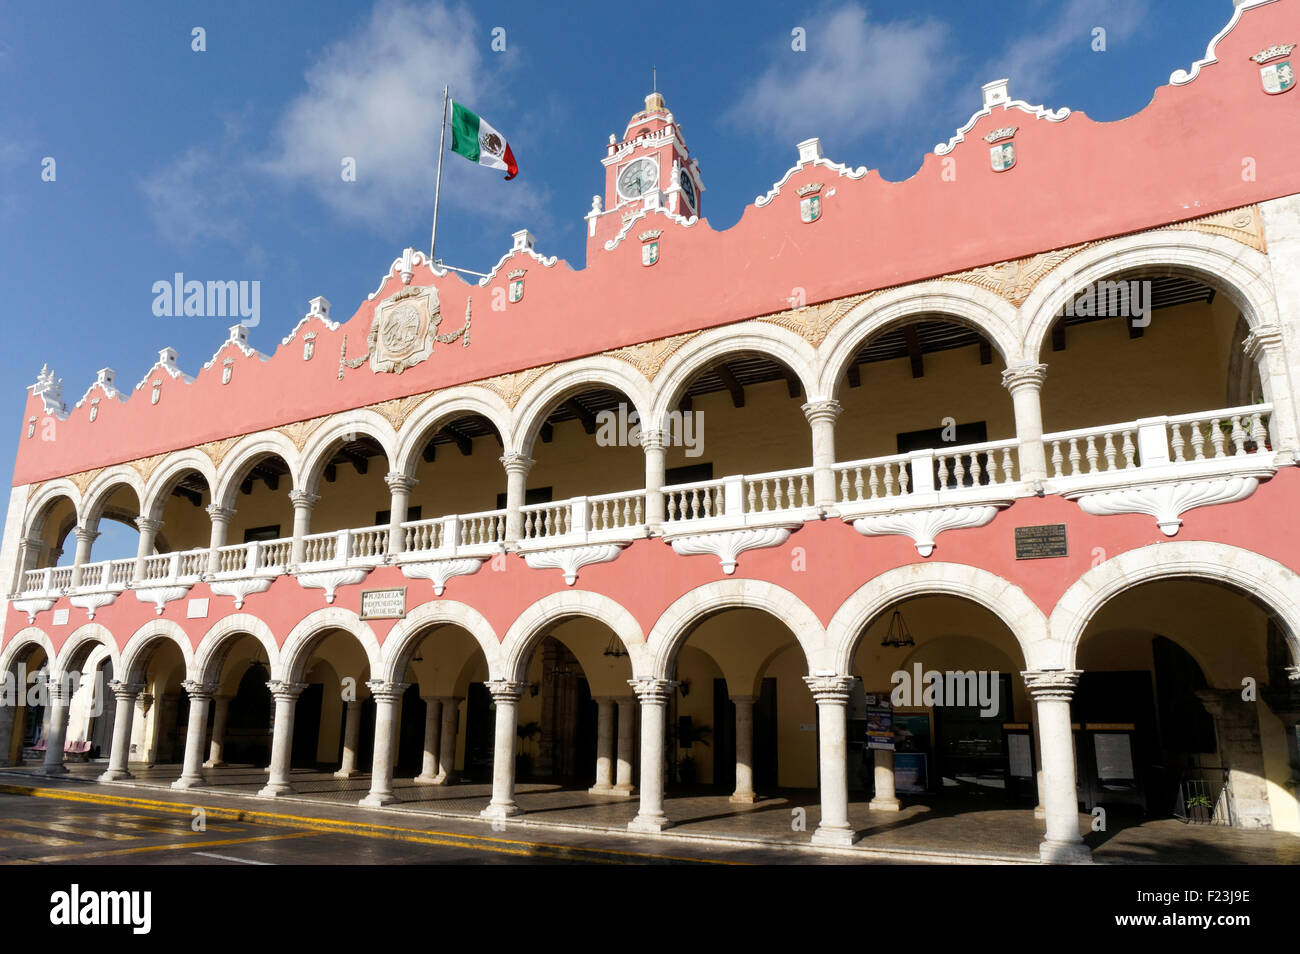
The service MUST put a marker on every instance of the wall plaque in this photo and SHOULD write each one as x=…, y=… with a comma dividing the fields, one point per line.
x=1042, y=542
x=384, y=604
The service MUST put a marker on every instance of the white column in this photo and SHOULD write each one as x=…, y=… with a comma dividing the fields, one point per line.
x=400, y=486
x=447, y=740
x=221, y=517
x=1264, y=348
x=303, y=502
x=604, y=746
x=119, y=756
x=432, y=721
x=200, y=694
x=652, y=442
x=505, y=694
x=626, y=743
x=885, y=799
x=517, y=467
x=59, y=696
x=832, y=695
x=821, y=416
x=744, y=793
x=144, y=702
x=1051, y=691
x=85, y=539
x=148, y=528
x=1039, y=810
x=351, y=739
x=286, y=696
x=1025, y=382
x=387, y=696
x=218, y=743
x=653, y=695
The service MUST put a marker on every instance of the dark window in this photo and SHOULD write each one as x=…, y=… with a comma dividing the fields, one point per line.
x=688, y=474
x=533, y=495
x=262, y=533
x=412, y=513
x=975, y=432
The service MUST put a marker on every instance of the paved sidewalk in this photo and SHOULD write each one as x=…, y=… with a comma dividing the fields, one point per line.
x=933, y=829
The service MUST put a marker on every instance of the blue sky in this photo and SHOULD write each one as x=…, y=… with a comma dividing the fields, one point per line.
x=225, y=164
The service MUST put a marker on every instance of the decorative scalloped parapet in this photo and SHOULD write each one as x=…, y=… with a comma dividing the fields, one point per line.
x=523, y=242
x=50, y=390
x=810, y=153
x=997, y=94
x=239, y=341
x=1168, y=502
x=924, y=525
x=1183, y=77
x=106, y=383
x=318, y=310
x=167, y=364
x=631, y=218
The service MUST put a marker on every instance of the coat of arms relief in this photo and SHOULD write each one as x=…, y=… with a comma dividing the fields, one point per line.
x=403, y=332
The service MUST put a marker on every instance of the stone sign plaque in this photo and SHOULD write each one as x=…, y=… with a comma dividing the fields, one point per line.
x=1042, y=542
x=384, y=604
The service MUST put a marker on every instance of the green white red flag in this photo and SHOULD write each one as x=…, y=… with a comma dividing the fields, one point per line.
x=476, y=139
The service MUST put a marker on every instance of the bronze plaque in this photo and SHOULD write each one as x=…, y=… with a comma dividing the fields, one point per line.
x=1041, y=543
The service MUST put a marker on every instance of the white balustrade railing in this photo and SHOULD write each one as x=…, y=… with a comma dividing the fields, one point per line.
x=695, y=501
x=780, y=490
x=478, y=529
x=938, y=470
x=369, y=543
x=619, y=511
x=193, y=563
x=872, y=479
x=120, y=572
x=421, y=536
x=234, y=559
x=319, y=547
x=547, y=519
x=157, y=567
x=272, y=554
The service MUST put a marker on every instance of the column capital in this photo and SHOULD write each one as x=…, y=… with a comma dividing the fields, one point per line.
x=400, y=483
x=1293, y=674
x=381, y=690
x=829, y=411
x=144, y=701
x=148, y=524
x=126, y=690
x=283, y=689
x=303, y=499
x=1262, y=339
x=743, y=700
x=220, y=514
x=506, y=690
x=830, y=690
x=652, y=439
x=57, y=690
x=517, y=463
x=85, y=535
x=1026, y=375
x=199, y=690
x=1051, y=685
x=653, y=692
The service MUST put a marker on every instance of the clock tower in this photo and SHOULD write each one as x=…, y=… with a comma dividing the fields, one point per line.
x=650, y=168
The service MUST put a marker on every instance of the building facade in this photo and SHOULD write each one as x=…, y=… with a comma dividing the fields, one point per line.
x=1027, y=418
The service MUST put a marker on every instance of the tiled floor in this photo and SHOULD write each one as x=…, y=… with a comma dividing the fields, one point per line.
x=950, y=826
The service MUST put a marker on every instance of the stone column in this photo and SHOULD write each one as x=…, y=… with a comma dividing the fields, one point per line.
x=505, y=694
x=604, y=746
x=744, y=793
x=432, y=720
x=1236, y=730
x=656, y=455
x=1039, y=810
x=1025, y=382
x=145, y=702
x=200, y=694
x=85, y=539
x=832, y=695
x=8, y=716
x=119, y=756
x=286, y=696
x=59, y=696
x=1051, y=691
x=148, y=528
x=653, y=695
x=447, y=740
x=219, y=715
x=626, y=743
x=1264, y=348
x=387, y=696
x=221, y=517
x=517, y=467
x=400, y=486
x=303, y=503
x=351, y=739
x=821, y=416
x=885, y=799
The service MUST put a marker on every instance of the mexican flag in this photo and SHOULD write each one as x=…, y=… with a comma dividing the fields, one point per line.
x=475, y=139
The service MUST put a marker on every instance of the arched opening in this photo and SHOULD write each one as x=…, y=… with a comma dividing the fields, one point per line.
x=26, y=711
x=181, y=505
x=335, y=669
x=259, y=495
x=241, y=714
x=162, y=710
x=458, y=468
x=350, y=482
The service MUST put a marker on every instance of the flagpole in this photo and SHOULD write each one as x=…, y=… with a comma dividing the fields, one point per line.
x=437, y=187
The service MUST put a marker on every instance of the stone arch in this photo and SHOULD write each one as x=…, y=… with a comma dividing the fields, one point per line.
x=244, y=454
x=1273, y=584
x=1003, y=599
x=25, y=639
x=217, y=641
x=171, y=470
x=441, y=408
x=136, y=653
x=83, y=640
x=302, y=639
x=40, y=503
x=104, y=486
x=357, y=421
x=705, y=349
x=570, y=378
x=960, y=302
x=528, y=629
x=675, y=624
x=402, y=638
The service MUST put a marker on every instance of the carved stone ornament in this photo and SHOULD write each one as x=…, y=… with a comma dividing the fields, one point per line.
x=569, y=560
x=440, y=571
x=160, y=596
x=649, y=357
x=727, y=545
x=1168, y=502
x=403, y=331
x=814, y=322
x=241, y=589
x=924, y=525
x=91, y=602
x=33, y=606
x=331, y=580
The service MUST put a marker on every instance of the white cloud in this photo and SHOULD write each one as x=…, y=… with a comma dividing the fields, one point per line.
x=855, y=77
x=197, y=198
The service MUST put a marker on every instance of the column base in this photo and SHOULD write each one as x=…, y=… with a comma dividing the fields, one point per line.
x=276, y=790
x=1040, y=811
x=649, y=824
x=601, y=790
x=623, y=791
x=52, y=770
x=500, y=811
x=350, y=773
x=834, y=837
x=115, y=775
x=445, y=780
x=211, y=764
x=425, y=779
x=1064, y=853
x=743, y=798
x=377, y=799
x=184, y=783
x=884, y=805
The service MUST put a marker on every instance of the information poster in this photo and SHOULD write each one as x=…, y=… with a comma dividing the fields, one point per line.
x=911, y=774
x=1114, y=756
x=880, y=722
x=1019, y=748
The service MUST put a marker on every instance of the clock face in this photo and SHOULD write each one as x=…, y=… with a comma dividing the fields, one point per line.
x=688, y=188
x=638, y=178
